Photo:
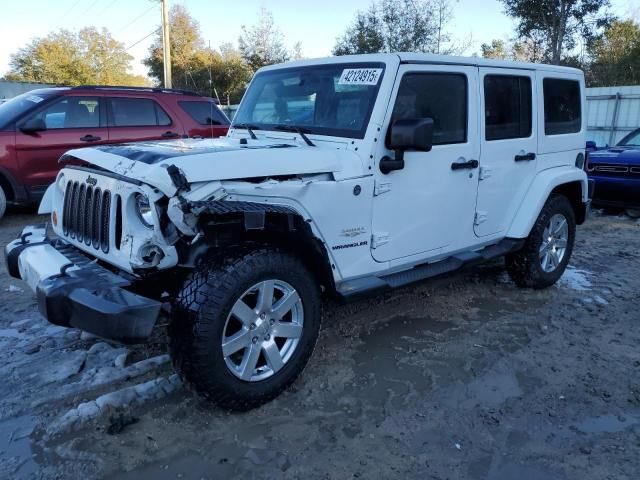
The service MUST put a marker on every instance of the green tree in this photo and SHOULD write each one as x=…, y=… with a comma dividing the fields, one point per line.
x=190, y=60
x=364, y=35
x=263, y=44
x=89, y=56
x=497, y=49
x=526, y=50
x=616, y=56
x=400, y=26
x=559, y=22
x=195, y=66
x=230, y=74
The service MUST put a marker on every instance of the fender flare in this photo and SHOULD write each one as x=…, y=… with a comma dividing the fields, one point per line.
x=46, y=204
x=254, y=214
x=539, y=191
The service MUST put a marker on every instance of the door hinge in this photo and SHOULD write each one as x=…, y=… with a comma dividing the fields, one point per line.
x=381, y=187
x=481, y=217
x=379, y=239
x=485, y=172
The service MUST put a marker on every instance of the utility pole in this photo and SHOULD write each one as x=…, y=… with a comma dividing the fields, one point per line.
x=166, y=43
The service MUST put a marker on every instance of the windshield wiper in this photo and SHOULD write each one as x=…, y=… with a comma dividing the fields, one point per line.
x=299, y=130
x=249, y=128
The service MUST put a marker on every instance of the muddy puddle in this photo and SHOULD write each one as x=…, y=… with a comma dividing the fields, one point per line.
x=608, y=423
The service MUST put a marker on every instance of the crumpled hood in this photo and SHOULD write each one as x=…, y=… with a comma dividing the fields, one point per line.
x=218, y=159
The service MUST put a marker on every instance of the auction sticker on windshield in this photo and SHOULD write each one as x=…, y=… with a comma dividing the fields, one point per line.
x=35, y=98
x=360, y=76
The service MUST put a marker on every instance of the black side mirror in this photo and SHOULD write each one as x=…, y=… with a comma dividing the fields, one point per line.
x=33, y=125
x=591, y=145
x=410, y=134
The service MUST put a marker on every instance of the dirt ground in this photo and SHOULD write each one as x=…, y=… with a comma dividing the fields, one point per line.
x=464, y=377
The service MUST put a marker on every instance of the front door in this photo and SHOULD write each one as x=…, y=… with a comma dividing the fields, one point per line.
x=71, y=122
x=509, y=150
x=428, y=208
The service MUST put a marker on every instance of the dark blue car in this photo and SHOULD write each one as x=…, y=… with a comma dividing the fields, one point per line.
x=616, y=172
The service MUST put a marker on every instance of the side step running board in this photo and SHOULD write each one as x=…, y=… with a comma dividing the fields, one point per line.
x=365, y=285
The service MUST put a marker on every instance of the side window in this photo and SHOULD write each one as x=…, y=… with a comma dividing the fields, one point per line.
x=71, y=112
x=562, y=106
x=204, y=113
x=137, y=112
x=507, y=107
x=440, y=96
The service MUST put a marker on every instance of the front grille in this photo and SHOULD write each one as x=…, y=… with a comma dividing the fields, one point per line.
x=86, y=215
x=612, y=168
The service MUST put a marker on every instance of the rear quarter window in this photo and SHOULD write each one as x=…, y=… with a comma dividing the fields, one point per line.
x=137, y=112
x=204, y=113
x=562, y=106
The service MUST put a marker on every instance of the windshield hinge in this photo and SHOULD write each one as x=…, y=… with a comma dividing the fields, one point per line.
x=381, y=187
x=379, y=239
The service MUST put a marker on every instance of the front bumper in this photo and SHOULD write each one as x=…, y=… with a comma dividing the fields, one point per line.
x=74, y=291
x=620, y=192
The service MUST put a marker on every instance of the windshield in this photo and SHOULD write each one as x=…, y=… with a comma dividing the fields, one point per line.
x=12, y=109
x=631, y=140
x=334, y=100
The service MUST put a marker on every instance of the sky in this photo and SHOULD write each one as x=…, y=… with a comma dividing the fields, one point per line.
x=316, y=23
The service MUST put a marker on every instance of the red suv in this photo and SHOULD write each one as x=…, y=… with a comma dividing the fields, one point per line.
x=36, y=128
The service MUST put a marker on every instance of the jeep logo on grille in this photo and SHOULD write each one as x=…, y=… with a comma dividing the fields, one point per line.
x=92, y=181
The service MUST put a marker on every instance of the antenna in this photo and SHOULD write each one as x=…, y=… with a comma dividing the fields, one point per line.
x=211, y=107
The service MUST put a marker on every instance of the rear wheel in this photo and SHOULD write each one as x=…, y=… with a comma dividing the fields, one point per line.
x=3, y=202
x=547, y=250
x=243, y=329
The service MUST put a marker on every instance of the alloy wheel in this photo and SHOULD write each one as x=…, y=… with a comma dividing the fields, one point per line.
x=555, y=238
x=263, y=330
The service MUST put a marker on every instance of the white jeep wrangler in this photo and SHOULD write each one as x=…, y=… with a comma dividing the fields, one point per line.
x=340, y=176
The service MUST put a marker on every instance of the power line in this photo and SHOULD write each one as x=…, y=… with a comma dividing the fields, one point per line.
x=142, y=39
x=90, y=6
x=136, y=19
x=113, y=2
x=75, y=4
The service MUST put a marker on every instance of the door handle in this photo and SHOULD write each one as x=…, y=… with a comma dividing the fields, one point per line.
x=90, y=138
x=170, y=135
x=527, y=157
x=471, y=164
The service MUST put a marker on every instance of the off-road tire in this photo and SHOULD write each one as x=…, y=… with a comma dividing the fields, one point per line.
x=524, y=266
x=200, y=311
x=3, y=203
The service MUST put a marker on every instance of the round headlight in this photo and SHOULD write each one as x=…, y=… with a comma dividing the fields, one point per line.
x=143, y=209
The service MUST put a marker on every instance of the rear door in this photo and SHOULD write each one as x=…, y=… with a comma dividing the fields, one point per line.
x=508, y=144
x=206, y=118
x=71, y=122
x=134, y=119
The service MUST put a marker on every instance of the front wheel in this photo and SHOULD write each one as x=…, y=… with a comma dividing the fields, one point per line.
x=547, y=249
x=243, y=328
